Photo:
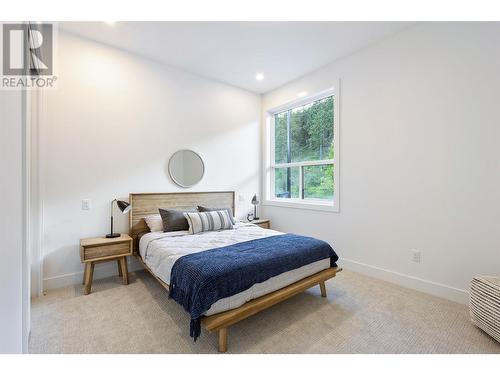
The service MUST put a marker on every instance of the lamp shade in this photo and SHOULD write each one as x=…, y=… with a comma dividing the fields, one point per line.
x=255, y=200
x=124, y=206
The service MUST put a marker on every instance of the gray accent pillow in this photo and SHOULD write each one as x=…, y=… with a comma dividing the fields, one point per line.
x=174, y=220
x=228, y=209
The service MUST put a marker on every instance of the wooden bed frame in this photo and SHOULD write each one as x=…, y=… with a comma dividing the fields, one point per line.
x=144, y=204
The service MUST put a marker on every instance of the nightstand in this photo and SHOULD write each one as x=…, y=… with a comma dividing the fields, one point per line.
x=263, y=223
x=100, y=249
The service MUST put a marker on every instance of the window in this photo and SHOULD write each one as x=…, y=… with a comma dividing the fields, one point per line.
x=302, y=157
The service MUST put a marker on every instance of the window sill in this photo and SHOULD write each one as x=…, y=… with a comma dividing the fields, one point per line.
x=315, y=206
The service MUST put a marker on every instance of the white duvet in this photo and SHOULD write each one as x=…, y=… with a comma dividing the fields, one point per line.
x=160, y=250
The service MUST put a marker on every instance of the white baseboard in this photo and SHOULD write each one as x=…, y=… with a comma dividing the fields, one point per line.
x=411, y=282
x=445, y=291
x=101, y=271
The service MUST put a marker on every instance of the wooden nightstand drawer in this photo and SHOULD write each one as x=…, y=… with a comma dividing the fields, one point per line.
x=263, y=223
x=100, y=247
x=106, y=251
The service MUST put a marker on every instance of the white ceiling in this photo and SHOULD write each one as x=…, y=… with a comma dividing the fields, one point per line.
x=233, y=52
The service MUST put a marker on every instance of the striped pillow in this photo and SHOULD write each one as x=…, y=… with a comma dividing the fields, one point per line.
x=208, y=221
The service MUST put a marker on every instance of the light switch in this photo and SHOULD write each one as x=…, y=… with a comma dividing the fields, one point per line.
x=86, y=204
x=241, y=197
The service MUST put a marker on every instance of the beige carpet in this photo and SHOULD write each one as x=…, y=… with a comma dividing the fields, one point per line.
x=361, y=315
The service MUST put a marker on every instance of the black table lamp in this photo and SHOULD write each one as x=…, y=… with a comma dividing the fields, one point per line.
x=255, y=202
x=124, y=208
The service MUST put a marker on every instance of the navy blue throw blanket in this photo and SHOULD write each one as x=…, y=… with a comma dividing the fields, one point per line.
x=199, y=280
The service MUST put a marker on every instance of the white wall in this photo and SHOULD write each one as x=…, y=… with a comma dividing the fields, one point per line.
x=11, y=222
x=420, y=137
x=110, y=128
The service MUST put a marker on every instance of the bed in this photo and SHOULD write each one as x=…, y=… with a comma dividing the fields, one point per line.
x=159, y=251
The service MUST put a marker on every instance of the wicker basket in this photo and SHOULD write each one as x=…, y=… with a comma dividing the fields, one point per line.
x=484, y=304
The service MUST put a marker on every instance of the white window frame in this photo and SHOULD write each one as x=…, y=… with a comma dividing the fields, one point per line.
x=270, y=165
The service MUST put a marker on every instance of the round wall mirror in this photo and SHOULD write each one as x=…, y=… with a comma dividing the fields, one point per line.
x=186, y=168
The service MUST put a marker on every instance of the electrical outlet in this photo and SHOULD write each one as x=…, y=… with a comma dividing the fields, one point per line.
x=416, y=256
x=86, y=204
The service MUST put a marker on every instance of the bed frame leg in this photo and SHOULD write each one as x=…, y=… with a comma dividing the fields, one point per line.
x=322, y=286
x=222, y=340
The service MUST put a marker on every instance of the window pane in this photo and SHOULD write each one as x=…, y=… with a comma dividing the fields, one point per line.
x=286, y=182
x=280, y=138
x=312, y=131
x=318, y=182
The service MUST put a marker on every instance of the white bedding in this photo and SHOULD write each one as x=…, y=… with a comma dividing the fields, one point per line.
x=160, y=250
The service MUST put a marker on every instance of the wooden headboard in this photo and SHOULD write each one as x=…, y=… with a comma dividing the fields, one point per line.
x=144, y=204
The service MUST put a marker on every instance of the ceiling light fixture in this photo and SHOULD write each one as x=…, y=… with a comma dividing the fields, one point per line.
x=302, y=94
x=110, y=23
x=259, y=76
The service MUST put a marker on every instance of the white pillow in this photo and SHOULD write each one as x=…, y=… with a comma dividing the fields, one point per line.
x=154, y=223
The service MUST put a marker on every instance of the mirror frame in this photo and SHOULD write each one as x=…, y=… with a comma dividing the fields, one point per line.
x=170, y=169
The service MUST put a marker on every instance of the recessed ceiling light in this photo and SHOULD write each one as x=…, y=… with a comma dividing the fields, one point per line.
x=110, y=23
x=302, y=94
x=259, y=76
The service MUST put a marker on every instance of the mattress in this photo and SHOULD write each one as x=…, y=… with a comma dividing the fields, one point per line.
x=160, y=251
